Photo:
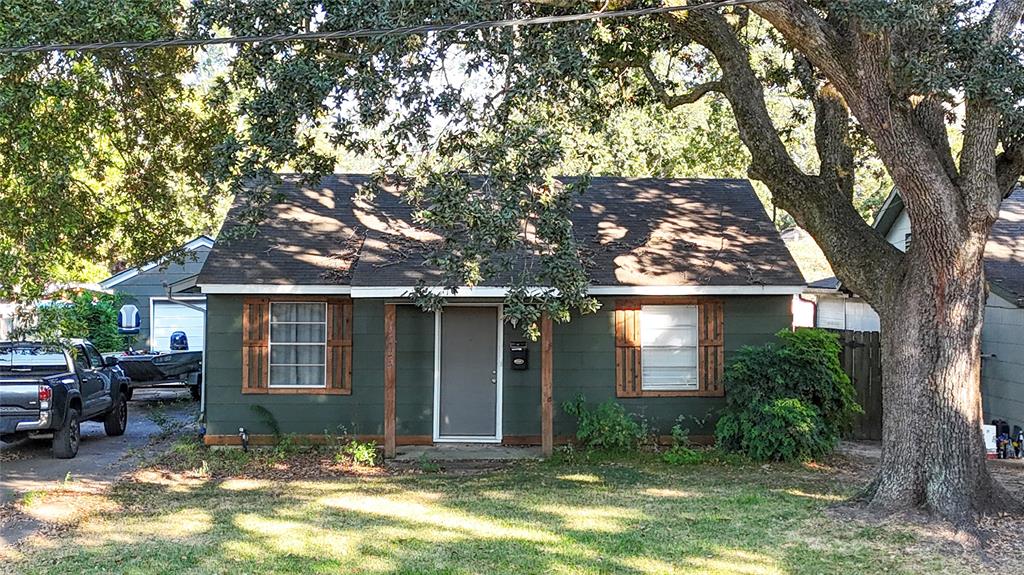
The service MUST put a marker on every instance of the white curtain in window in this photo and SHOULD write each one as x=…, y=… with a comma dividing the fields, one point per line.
x=298, y=344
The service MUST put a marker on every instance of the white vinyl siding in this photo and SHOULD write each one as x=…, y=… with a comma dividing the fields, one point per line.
x=298, y=344
x=668, y=342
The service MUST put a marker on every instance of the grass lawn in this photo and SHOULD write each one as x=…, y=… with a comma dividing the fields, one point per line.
x=638, y=516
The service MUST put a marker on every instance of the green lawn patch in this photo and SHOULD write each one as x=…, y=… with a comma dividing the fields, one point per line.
x=636, y=516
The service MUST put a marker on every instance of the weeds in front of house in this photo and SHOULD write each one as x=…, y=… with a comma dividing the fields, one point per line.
x=429, y=466
x=607, y=427
x=362, y=453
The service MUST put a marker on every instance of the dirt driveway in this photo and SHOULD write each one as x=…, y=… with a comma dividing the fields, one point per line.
x=27, y=467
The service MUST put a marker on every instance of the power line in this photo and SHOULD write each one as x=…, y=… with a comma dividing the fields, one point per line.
x=370, y=33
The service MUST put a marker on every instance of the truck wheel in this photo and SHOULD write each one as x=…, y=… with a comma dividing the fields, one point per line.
x=66, y=439
x=196, y=391
x=116, y=420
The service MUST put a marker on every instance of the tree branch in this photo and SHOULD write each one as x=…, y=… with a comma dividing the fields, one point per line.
x=671, y=101
x=820, y=204
x=810, y=35
x=981, y=122
x=831, y=128
x=1009, y=169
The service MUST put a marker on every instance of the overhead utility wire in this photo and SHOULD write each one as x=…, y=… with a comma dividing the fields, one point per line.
x=369, y=33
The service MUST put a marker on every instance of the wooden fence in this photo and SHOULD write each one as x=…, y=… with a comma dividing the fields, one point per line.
x=861, y=358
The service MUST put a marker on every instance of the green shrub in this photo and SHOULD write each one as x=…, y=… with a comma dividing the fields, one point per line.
x=83, y=315
x=606, y=428
x=780, y=430
x=790, y=401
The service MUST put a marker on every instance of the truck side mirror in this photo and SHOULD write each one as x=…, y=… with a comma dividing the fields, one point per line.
x=110, y=361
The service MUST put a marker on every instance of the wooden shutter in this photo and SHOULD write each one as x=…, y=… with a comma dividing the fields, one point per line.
x=627, y=349
x=255, y=340
x=339, y=346
x=711, y=348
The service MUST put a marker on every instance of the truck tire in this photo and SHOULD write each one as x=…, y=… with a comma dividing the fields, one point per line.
x=67, y=438
x=116, y=420
x=128, y=394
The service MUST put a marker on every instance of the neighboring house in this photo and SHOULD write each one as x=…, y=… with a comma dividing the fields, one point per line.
x=158, y=289
x=310, y=319
x=1002, y=345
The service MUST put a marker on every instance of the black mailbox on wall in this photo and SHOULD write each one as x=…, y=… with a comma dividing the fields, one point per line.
x=520, y=355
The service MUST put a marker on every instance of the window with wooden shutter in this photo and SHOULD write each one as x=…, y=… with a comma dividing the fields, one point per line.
x=297, y=345
x=677, y=352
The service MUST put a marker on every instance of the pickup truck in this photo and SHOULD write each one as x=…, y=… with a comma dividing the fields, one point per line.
x=46, y=391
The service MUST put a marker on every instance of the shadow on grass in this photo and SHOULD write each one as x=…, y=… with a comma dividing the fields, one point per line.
x=533, y=518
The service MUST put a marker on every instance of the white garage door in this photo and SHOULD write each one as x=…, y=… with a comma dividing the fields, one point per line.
x=169, y=317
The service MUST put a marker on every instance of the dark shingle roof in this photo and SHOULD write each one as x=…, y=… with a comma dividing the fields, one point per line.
x=633, y=232
x=829, y=283
x=1004, y=253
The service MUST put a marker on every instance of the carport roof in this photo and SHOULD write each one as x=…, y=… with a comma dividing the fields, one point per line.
x=633, y=232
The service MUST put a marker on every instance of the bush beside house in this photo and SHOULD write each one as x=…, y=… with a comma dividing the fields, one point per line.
x=789, y=401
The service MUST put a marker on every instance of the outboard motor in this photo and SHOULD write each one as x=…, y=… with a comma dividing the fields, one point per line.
x=179, y=341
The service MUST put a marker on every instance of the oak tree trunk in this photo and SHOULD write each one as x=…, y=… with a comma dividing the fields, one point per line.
x=933, y=453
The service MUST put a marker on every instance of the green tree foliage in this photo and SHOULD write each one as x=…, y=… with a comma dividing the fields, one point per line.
x=104, y=156
x=83, y=315
x=789, y=400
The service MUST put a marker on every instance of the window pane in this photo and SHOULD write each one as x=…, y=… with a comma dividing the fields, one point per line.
x=306, y=376
x=668, y=338
x=661, y=324
x=298, y=333
x=311, y=312
x=669, y=357
x=297, y=354
x=668, y=378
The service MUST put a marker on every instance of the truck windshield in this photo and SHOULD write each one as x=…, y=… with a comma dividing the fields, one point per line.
x=13, y=356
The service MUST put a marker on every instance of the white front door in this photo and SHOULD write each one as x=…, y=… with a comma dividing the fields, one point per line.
x=169, y=317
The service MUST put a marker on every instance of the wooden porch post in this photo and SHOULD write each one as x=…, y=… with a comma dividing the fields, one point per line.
x=547, y=432
x=389, y=380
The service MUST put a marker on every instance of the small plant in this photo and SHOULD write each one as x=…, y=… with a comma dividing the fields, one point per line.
x=362, y=453
x=428, y=466
x=287, y=446
x=606, y=428
x=680, y=453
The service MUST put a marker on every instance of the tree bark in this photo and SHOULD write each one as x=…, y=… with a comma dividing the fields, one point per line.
x=933, y=453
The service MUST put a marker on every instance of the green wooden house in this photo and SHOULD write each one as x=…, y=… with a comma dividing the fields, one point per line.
x=310, y=319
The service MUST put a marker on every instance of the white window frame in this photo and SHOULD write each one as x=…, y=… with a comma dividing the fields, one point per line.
x=270, y=345
x=696, y=351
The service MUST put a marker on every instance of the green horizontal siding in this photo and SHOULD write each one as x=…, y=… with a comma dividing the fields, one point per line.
x=584, y=363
